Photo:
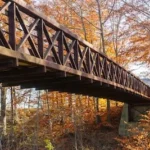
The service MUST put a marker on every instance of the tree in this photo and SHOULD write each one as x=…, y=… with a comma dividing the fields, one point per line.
x=137, y=16
x=3, y=111
x=102, y=37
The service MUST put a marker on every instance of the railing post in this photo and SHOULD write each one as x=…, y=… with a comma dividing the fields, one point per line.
x=88, y=60
x=12, y=25
x=60, y=47
x=132, y=83
x=40, y=38
x=76, y=54
x=98, y=64
x=148, y=91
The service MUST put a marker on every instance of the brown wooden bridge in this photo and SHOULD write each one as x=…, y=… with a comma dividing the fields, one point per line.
x=36, y=51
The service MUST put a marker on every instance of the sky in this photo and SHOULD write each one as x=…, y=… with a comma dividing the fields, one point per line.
x=142, y=71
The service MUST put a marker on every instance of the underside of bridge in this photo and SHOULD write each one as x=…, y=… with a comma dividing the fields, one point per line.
x=29, y=73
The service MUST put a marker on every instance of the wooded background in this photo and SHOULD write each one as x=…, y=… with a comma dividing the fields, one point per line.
x=118, y=28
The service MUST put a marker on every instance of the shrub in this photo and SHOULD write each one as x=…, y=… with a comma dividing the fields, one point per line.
x=49, y=145
x=139, y=138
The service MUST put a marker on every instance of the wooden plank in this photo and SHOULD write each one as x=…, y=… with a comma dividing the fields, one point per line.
x=51, y=82
x=23, y=71
x=3, y=40
x=96, y=92
x=7, y=64
x=34, y=81
x=33, y=77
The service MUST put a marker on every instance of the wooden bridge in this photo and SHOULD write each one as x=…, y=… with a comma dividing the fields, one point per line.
x=36, y=51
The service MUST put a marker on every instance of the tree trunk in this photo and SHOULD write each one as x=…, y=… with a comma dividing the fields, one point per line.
x=108, y=110
x=103, y=47
x=12, y=111
x=83, y=25
x=15, y=105
x=102, y=40
x=3, y=111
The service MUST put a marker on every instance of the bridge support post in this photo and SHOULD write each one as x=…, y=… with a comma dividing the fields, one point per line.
x=124, y=121
x=131, y=114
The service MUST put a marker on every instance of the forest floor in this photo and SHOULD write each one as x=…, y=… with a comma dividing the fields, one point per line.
x=102, y=136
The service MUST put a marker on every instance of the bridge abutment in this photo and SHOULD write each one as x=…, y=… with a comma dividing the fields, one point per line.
x=131, y=115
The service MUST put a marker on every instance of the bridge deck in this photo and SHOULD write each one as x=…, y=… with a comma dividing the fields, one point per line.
x=31, y=72
x=38, y=52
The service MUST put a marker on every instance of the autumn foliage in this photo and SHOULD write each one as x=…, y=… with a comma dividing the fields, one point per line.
x=139, y=136
x=49, y=120
x=54, y=118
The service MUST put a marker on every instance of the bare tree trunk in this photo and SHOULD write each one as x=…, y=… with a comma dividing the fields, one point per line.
x=12, y=108
x=29, y=100
x=3, y=111
x=15, y=105
x=83, y=25
x=36, y=141
x=48, y=110
x=12, y=119
x=102, y=40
